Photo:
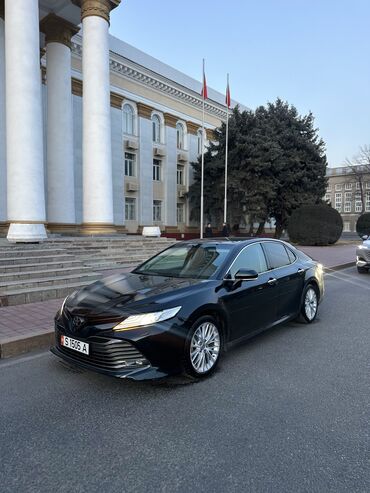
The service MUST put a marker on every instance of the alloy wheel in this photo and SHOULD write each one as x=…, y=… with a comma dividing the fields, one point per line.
x=310, y=304
x=205, y=347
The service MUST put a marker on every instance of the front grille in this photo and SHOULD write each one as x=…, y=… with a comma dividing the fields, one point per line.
x=108, y=354
x=367, y=255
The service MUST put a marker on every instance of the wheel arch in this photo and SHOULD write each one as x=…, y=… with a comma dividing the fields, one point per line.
x=217, y=313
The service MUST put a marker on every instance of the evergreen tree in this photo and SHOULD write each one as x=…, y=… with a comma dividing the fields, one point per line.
x=276, y=163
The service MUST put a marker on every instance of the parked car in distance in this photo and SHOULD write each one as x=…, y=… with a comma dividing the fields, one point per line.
x=363, y=255
x=180, y=310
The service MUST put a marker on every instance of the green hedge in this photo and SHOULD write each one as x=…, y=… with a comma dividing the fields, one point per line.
x=315, y=225
x=363, y=224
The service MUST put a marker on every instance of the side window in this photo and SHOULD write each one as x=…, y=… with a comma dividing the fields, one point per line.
x=277, y=254
x=252, y=257
x=291, y=255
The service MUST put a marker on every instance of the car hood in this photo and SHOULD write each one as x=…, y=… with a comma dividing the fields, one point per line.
x=126, y=293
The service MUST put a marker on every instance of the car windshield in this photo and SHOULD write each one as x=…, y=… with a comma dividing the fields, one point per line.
x=193, y=260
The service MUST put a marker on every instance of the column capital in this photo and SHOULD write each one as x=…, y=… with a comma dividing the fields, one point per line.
x=170, y=120
x=100, y=8
x=58, y=30
x=192, y=128
x=144, y=110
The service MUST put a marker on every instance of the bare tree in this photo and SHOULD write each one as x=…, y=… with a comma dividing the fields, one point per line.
x=360, y=169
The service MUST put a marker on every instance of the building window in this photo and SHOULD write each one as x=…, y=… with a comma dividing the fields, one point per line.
x=156, y=128
x=128, y=119
x=180, y=213
x=368, y=184
x=157, y=165
x=347, y=206
x=157, y=210
x=367, y=202
x=328, y=188
x=130, y=209
x=348, y=186
x=180, y=175
x=130, y=164
x=338, y=187
x=346, y=226
x=180, y=136
x=358, y=203
x=338, y=202
x=199, y=136
x=358, y=186
x=327, y=197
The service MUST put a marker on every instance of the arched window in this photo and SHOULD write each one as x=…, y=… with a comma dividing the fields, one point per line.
x=128, y=119
x=156, y=128
x=180, y=136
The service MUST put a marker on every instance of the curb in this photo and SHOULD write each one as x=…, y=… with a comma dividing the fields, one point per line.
x=327, y=270
x=15, y=346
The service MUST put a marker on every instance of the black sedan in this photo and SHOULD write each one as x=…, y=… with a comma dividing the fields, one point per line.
x=178, y=311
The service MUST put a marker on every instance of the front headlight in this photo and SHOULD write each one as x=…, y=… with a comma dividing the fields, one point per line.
x=363, y=247
x=134, y=321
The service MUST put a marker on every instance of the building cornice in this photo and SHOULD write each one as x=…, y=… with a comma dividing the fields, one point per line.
x=58, y=30
x=138, y=74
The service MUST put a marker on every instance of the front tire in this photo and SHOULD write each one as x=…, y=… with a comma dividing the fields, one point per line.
x=203, y=347
x=309, y=306
x=361, y=270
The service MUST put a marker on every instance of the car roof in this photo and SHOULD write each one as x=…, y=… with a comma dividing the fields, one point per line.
x=237, y=240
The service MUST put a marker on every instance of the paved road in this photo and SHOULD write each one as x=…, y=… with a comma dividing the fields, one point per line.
x=287, y=412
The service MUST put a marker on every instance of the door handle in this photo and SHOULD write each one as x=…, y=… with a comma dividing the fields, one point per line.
x=272, y=281
x=300, y=271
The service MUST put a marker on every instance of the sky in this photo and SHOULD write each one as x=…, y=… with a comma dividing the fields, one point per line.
x=314, y=54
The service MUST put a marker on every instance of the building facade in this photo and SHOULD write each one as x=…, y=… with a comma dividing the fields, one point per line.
x=348, y=192
x=95, y=135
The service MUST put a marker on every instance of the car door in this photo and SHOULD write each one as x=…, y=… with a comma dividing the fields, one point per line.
x=251, y=305
x=289, y=276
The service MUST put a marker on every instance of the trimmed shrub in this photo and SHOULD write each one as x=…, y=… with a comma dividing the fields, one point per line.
x=315, y=225
x=363, y=224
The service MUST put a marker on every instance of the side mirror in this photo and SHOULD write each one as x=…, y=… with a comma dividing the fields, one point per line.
x=246, y=275
x=365, y=237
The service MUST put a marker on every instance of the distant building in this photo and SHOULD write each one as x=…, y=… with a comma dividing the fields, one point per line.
x=348, y=194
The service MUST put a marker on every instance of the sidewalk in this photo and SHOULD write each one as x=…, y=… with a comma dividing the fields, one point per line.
x=24, y=328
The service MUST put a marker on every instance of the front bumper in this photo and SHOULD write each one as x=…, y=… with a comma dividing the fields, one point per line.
x=147, y=353
x=363, y=257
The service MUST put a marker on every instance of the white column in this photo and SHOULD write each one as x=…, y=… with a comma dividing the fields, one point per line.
x=25, y=167
x=145, y=168
x=3, y=214
x=170, y=178
x=60, y=162
x=97, y=153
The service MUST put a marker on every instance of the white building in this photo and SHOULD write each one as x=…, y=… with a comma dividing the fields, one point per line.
x=95, y=135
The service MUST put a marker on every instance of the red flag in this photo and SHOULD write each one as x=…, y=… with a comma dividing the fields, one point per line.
x=204, y=92
x=228, y=99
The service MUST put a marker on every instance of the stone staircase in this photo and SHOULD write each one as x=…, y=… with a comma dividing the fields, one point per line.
x=55, y=268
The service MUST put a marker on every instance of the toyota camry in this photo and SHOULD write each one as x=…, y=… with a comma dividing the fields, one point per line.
x=179, y=311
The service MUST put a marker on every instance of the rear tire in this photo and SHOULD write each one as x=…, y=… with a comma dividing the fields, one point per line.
x=362, y=270
x=203, y=347
x=309, y=305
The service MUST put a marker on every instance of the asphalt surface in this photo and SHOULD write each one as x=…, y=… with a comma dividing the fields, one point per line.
x=288, y=411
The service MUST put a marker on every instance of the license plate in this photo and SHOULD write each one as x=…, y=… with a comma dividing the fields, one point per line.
x=81, y=347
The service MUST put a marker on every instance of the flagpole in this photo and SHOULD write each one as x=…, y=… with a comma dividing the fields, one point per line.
x=226, y=151
x=202, y=166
